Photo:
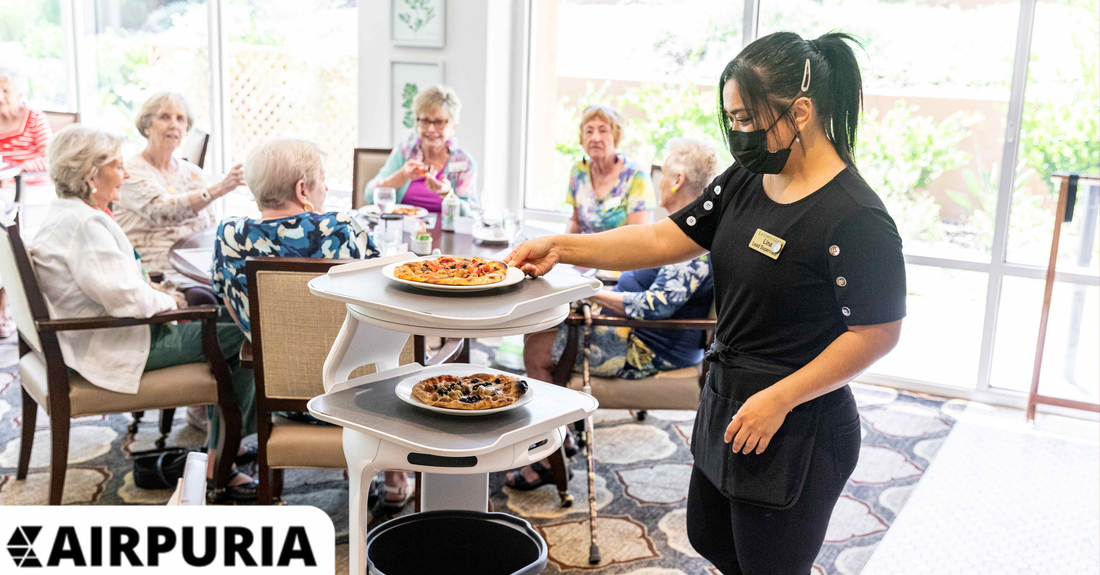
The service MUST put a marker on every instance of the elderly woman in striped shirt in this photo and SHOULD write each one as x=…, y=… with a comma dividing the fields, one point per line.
x=23, y=131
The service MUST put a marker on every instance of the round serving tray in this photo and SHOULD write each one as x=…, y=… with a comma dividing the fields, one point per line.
x=404, y=389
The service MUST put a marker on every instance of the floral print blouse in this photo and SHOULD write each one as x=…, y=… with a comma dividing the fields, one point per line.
x=155, y=212
x=633, y=193
x=333, y=235
x=461, y=170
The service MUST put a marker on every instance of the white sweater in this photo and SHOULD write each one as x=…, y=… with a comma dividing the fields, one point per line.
x=86, y=268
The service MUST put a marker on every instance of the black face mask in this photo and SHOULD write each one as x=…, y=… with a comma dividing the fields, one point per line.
x=750, y=149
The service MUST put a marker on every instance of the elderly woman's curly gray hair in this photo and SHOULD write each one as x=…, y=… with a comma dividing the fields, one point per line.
x=17, y=80
x=438, y=96
x=695, y=159
x=76, y=154
x=154, y=104
x=274, y=169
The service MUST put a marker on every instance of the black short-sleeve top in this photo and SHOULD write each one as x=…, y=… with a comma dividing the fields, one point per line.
x=840, y=264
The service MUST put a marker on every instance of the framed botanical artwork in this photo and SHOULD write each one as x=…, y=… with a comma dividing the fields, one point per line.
x=419, y=23
x=406, y=79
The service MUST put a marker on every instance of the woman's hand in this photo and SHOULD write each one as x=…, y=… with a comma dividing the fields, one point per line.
x=413, y=170
x=181, y=300
x=441, y=186
x=535, y=257
x=233, y=180
x=755, y=423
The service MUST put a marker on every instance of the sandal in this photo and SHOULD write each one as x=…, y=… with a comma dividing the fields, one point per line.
x=395, y=505
x=250, y=454
x=546, y=477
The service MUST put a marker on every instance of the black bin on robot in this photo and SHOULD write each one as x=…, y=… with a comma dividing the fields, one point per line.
x=455, y=542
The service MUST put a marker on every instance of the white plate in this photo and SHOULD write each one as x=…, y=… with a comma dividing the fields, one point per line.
x=420, y=212
x=514, y=277
x=404, y=389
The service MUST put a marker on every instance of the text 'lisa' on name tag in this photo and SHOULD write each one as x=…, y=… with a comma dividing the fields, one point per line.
x=767, y=244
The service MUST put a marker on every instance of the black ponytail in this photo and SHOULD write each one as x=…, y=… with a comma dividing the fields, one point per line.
x=769, y=74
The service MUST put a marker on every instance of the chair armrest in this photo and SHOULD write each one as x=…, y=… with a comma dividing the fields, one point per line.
x=676, y=324
x=246, y=354
x=452, y=347
x=205, y=312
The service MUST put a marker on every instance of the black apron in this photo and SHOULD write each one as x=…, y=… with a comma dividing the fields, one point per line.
x=772, y=479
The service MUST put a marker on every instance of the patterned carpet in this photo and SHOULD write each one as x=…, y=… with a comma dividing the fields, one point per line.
x=642, y=470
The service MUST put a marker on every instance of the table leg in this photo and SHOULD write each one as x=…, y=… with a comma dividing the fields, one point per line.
x=446, y=491
x=360, y=343
x=360, y=450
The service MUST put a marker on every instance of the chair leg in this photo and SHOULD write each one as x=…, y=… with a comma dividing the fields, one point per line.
x=166, y=417
x=59, y=455
x=133, y=428
x=277, y=484
x=229, y=441
x=641, y=414
x=561, y=476
x=30, y=419
x=263, y=434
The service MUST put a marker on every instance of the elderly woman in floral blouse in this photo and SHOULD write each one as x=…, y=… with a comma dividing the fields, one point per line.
x=165, y=198
x=428, y=167
x=606, y=189
x=684, y=291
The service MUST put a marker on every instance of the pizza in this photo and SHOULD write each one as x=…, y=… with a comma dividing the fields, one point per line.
x=454, y=271
x=477, y=391
x=406, y=211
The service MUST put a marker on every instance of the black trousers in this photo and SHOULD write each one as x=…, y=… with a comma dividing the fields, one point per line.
x=740, y=538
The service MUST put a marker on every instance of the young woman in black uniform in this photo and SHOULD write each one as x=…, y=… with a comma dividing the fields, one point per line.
x=809, y=282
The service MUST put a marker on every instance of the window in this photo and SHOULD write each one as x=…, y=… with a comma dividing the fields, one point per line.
x=657, y=62
x=31, y=38
x=283, y=82
x=140, y=48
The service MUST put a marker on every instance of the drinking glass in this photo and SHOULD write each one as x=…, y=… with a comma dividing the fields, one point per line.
x=385, y=198
x=390, y=232
x=513, y=223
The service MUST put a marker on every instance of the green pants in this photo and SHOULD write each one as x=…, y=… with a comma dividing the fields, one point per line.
x=181, y=344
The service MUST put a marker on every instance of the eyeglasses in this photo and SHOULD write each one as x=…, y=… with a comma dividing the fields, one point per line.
x=437, y=124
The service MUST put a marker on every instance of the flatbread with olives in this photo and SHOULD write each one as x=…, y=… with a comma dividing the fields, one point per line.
x=472, y=392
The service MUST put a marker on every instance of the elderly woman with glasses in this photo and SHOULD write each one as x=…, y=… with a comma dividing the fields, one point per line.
x=166, y=198
x=606, y=189
x=87, y=268
x=429, y=166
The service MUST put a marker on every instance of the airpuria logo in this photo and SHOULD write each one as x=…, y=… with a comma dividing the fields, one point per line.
x=20, y=546
x=288, y=539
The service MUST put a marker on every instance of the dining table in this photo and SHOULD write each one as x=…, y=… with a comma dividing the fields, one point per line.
x=188, y=254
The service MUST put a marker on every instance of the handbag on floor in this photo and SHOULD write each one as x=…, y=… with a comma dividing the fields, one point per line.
x=159, y=468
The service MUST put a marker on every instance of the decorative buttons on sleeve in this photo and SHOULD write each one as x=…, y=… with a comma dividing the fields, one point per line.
x=847, y=312
x=690, y=220
x=708, y=205
x=717, y=190
x=840, y=281
x=834, y=250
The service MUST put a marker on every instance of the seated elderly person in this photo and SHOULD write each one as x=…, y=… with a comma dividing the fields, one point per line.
x=682, y=291
x=23, y=136
x=606, y=189
x=429, y=166
x=86, y=268
x=287, y=177
x=165, y=198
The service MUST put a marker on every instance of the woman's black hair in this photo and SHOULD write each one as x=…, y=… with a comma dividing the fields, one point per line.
x=769, y=74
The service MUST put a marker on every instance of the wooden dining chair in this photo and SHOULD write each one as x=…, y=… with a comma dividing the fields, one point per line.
x=366, y=164
x=675, y=389
x=48, y=382
x=194, y=147
x=292, y=333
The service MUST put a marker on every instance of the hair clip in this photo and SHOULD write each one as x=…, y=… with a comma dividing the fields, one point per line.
x=806, y=76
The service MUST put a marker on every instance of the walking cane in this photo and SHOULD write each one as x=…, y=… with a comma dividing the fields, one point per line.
x=593, y=549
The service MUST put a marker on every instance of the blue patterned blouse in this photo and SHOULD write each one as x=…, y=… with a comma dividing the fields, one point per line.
x=333, y=235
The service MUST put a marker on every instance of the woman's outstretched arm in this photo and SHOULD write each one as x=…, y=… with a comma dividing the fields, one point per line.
x=621, y=249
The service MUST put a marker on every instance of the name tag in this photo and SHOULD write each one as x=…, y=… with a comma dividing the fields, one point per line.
x=767, y=244
x=457, y=167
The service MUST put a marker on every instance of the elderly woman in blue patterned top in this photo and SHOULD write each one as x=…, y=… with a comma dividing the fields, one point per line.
x=287, y=178
x=683, y=290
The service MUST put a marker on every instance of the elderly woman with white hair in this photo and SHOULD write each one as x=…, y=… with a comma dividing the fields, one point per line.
x=87, y=268
x=23, y=132
x=430, y=165
x=166, y=198
x=683, y=290
x=287, y=177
